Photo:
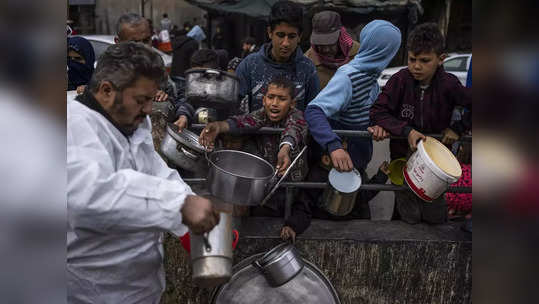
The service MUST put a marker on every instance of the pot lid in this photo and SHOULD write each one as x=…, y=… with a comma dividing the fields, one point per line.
x=346, y=182
x=248, y=285
x=186, y=137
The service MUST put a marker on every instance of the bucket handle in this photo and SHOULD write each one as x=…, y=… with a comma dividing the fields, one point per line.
x=236, y=238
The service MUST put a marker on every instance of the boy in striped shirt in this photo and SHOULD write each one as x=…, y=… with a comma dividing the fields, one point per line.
x=345, y=102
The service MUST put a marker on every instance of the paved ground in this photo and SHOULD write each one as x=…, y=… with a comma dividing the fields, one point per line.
x=382, y=204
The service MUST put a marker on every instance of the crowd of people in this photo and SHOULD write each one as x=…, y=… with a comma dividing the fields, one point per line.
x=122, y=195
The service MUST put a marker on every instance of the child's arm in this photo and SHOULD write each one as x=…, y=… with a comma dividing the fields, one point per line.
x=298, y=222
x=295, y=130
x=210, y=132
x=334, y=98
x=379, y=178
x=240, y=124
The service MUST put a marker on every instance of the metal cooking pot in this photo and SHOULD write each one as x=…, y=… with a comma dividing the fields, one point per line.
x=339, y=197
x=211, y=88
x=211, y=253
x=183, y=149
x=280, y=264
x=238, y=177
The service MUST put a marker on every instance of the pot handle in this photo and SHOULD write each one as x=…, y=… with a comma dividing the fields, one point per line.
x=185, y=240
x=207, y=244
x=257, y=265
x=189, y=154
x=236, y=238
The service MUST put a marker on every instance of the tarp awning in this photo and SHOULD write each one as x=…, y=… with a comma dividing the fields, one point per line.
x=252, y=8
x=262, y=8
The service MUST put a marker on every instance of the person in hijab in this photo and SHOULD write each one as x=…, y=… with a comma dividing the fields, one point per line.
x=331, y=45
x=80, y=62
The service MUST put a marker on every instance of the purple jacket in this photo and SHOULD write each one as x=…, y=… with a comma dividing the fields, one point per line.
x=403, y=105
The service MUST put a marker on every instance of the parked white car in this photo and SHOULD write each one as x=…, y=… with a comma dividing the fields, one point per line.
x=102, y=42
x=456, y=64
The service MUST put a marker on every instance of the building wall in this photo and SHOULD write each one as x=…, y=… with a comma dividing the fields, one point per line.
x=108, y=11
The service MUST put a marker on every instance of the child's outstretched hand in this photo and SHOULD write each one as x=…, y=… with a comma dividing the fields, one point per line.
x=208, y=135
x=384, y=167
x=287, y=233
x=283, y=159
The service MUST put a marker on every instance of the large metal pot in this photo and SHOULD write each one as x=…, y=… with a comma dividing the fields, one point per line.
x=280, y=265
x=238, y=177
x=339, y=197
x=183, y=149
x=211, y=88
x=211, y=253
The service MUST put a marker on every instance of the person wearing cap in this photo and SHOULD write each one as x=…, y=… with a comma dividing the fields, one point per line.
x=331, y=46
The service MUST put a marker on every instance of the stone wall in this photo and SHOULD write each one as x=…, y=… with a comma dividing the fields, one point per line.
x=366, y=261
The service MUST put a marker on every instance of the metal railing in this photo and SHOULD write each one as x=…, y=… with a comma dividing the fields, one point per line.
x=344, y=133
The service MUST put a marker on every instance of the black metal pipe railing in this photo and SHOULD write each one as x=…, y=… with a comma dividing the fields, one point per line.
x=344, y=133
x=318, y=185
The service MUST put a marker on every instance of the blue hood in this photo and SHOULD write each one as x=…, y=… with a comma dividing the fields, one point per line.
x=379, y=41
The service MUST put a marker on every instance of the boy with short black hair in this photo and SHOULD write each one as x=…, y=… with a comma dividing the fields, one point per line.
x=416, y=100
x=280, y=56
x=278, y=111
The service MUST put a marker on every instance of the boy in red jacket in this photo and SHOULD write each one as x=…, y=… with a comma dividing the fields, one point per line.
x=416, y=100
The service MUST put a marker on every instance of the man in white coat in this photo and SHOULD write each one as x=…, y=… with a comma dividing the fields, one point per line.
x=121, y=196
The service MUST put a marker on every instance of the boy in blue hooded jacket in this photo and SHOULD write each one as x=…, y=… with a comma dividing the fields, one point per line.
x=281, y=56
x=345, y=102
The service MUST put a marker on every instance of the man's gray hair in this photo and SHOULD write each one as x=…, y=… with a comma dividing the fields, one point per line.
x=124, y=63
x=129, y=19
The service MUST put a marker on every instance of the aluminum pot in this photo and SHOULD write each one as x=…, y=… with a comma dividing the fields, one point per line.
x=211, y=88
x=183, y=149
x=339, y=197
x=238, y=177
x=280, y=265
x=211, y=253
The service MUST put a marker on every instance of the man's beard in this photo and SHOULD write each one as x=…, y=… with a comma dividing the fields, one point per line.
x=118, y=109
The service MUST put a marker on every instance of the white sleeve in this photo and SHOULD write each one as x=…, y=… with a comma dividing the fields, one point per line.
x=102, y=199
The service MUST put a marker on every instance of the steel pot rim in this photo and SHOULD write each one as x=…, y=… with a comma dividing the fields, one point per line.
x=213, y=165
x=203, y=70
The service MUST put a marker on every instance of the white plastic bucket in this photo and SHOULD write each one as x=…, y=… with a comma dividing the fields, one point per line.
x=431, y=169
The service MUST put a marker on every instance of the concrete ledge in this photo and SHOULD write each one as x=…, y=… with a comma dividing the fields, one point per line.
x=366, y=261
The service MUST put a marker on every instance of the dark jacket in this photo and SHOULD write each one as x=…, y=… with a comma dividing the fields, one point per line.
x=259, y=68
x=402, y=106
x=183, y=48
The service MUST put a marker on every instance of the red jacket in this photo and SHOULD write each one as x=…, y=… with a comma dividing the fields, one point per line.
x=401, y=106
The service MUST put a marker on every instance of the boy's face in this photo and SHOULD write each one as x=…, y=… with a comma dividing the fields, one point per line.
x=284, y=40
x=277, y=103
x=424, y=65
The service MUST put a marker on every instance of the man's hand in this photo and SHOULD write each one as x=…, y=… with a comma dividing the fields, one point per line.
x=198, y=214
x=160, y=96
x=341, y=160
x=181, y=122
x=413, y=138
x=449, y=136
x=210, y=132
x=283, y=159
x=378, y=133
x=288, y=233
